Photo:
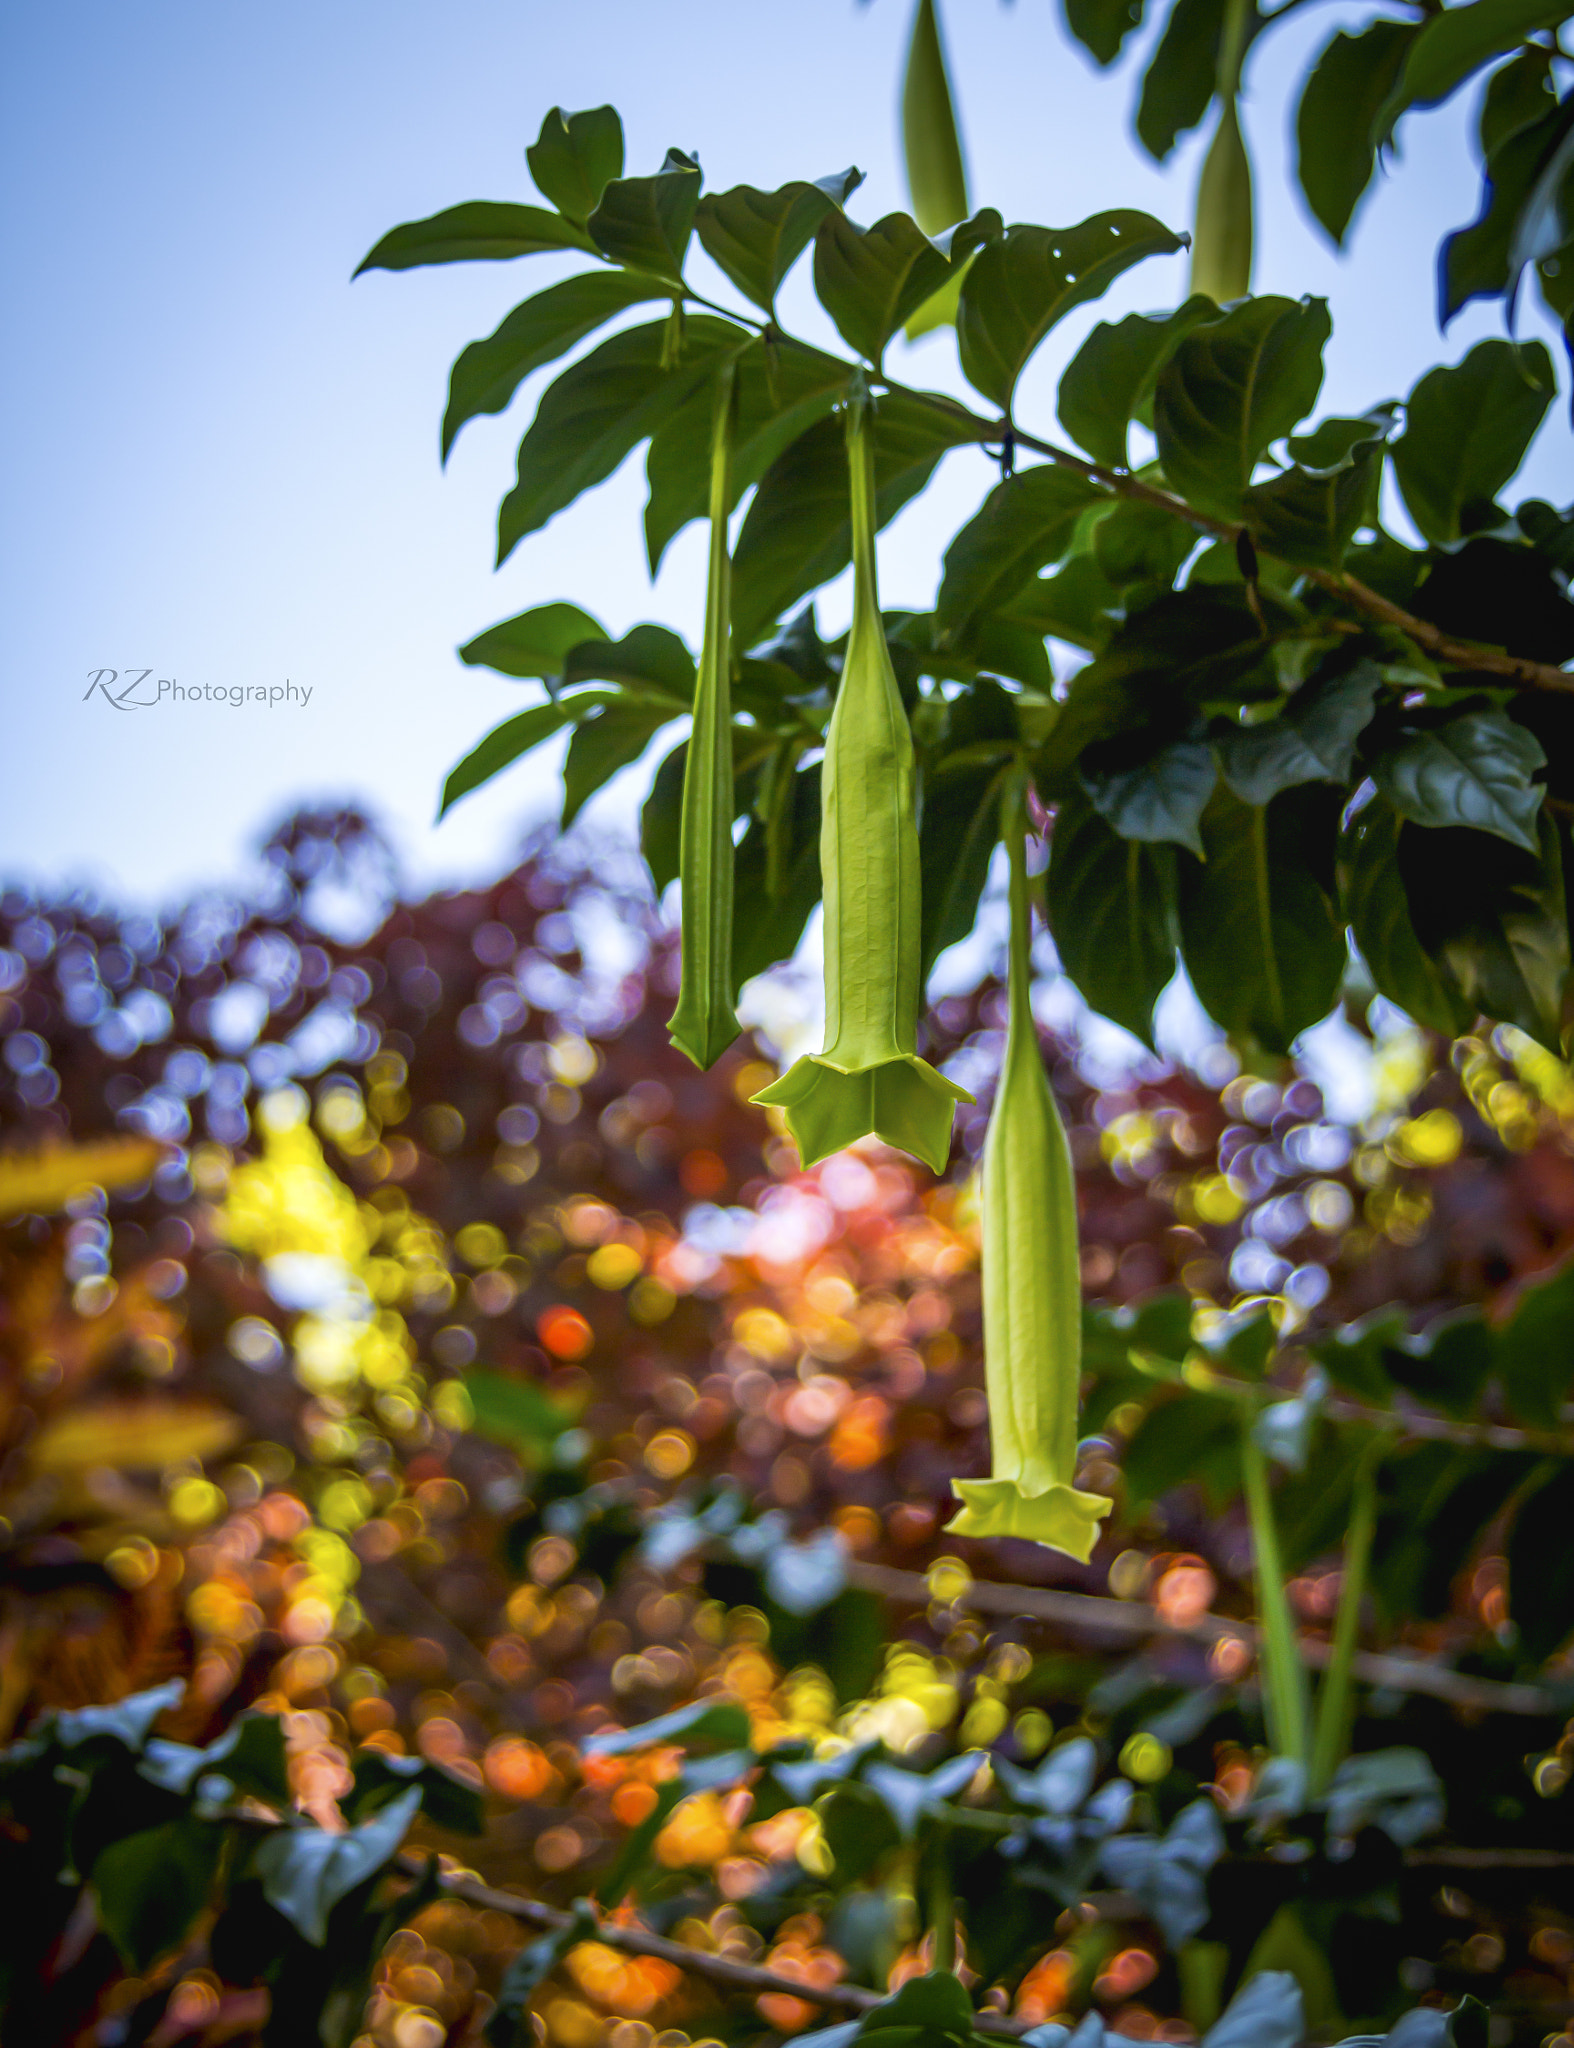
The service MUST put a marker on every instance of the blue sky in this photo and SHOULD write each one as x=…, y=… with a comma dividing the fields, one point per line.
x=223, y=457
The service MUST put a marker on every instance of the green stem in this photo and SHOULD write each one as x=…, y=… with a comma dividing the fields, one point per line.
x=1283, y=1675
x=1332, y=1736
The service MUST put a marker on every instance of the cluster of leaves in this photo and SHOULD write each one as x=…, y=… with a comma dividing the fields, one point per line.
x=1293, y=724
x=164, y=1839
x=815, y=1346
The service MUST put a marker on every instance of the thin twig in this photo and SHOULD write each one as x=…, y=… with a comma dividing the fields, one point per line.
x=1135, y=1618
x=1411, y=1422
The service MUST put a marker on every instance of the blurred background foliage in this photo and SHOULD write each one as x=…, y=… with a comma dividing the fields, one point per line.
x=401, y=1339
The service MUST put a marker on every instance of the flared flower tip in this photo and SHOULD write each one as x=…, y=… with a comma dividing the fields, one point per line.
x=904, y=1101
x=1058, y=1516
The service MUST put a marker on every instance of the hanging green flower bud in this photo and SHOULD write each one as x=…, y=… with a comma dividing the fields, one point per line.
x=1032, y=1288
x=1221, y=244
x=932, y=148
x=869, y=1078
x=704, y=1023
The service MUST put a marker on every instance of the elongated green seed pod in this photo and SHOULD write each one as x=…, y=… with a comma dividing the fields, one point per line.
x=1221, y=245
x=1032, y=1288
x=868, y=1080
x=936, y=180
x=704, y=1023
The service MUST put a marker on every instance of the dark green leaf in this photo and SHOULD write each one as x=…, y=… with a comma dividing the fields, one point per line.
x=515, y=1411
x=769, y=913
x=870, y=279
x=1140, y=549
x=1335, y=146
x=1024, y=523
x=1231, y=388
x=249, y=1755
x=1101, y=26
x=598, y=410
x=501, y=748
x=488, y=373
x=575, y=158
x=1516, y=96
x=706, y=1724
x=1111, y=913
x=1109, y=381
x=1471, y=769
x=446, y=1801
x=606, y=741
x=482, y=230
x=1535, y=1348
x=1004, y=645
x=509, y=2024
x=1019, y=286
x=1312, y=740
x=645, y=223
x=128, y=1722
x=1156, y=795
x=1336, y=440
x=1457, y=41
x=934, y=2003
x=1260, y=942
x=757, y=237
x=1310, y=515
x=533, y=643
x=648, y=659
x=661, y=820
x=1500, y=593
x=306, y=1871
x=780, y=393
x=1467, y=430
x=1078, y=605
x=956, y=840
x=1541, y=1565
x=1170, y=1876
x=150, y=1886
x=1518, y=208
x=798, y=533
x=1495, y=919
x=1182, y=74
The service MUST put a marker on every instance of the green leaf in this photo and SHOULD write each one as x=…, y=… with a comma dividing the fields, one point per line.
x=606, y=741
x=1375, y=903
x=1501, y=593
x=575, y=157
x=151, y=1886
x=128, y=1722
x=1231, y=388
x=645, y=223
x=306, y=1871
x=502, y=747
x=533, y=643
x=1261, y=945
x=516, y=1411
x=770, y=911
x=1310, y=515
x=1182, y=74
x=508, y=2026
x=250, y=1755
x=1312, y=740
x=488, y=373
x=1494, y=918
x=1457, y=41
x=446, y=1801
x=1020, y=285
x=598, y=410
x=1140, y=549
x=757, y=237
x=661, y=820
x=1152, y=794
x=1101, y=26
x=958, y=830
x=1078, y=605
x=705, y=1724
x=798, y=530
x=780, y=394
x=1518, y=207
x=1541, y=1562
x=1471, y=769
x=1535, y=1348
x=646, y=659
x=1467, y=430
x=1335, y=146
x=1025, y=522
x=482, y=230
x=1109, y=381
x=871, y=279
x=1111, y=913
